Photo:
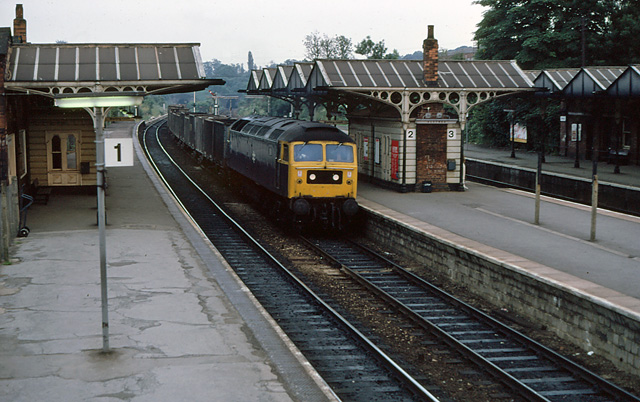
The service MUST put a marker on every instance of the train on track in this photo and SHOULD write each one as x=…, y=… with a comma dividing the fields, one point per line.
x=304, y=172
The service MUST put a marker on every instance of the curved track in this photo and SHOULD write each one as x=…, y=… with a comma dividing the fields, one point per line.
x=351, y=364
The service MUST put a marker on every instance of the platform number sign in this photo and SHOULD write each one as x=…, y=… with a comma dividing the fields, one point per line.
x=453, y=134
x=118, y=152
x=411, y=134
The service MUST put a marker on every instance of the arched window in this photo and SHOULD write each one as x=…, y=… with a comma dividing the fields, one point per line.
x=56, y=152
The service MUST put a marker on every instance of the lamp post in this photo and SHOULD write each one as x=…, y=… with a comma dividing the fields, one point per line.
x=97, y=105
x=513, y=139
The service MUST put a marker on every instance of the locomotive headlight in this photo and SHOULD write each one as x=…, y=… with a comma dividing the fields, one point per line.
x=349, y=182
x=299, y=181
x=312, y=177
x=336, y=177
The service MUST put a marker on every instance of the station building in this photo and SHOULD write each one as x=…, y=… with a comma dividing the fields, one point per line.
x=408, y=116
x=55, y=97
x=599, y=111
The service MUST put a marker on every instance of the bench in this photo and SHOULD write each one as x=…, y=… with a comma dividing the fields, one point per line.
x=40, y=194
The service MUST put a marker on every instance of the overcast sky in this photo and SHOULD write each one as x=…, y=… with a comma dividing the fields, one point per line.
x=273, y=30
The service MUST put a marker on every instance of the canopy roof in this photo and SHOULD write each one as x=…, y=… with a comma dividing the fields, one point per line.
x=53, y=69
x=555, y=80
x=590, y=81
x=409, y=74
x=627, y=84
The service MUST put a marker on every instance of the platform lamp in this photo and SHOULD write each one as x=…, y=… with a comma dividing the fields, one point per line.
x=511, y=131
x=98, y=105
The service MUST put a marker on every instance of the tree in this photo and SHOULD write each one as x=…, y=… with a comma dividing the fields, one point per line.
x=250, y=64
x=541, y=34
x=327, y=47
x=323, y=47
x=344, y=47
x=313, y=46
x=549, y=33
x=372, y=50
x=622, y=45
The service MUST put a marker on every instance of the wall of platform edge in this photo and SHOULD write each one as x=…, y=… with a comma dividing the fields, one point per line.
x=588, y=322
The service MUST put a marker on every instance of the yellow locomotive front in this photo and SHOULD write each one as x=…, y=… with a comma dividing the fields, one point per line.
x=322, y=170
x=322, y=181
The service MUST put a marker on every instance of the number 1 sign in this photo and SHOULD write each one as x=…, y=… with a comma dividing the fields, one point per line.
x=118, y=152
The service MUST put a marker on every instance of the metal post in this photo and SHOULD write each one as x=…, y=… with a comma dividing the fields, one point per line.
x=513, y=139
x=538, y=179
x=512, y=133
x=594, y=195
x=98, y=122
x=576, y=163
x=403, y=186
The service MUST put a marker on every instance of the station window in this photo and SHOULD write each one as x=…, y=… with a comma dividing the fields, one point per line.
x=56, y=152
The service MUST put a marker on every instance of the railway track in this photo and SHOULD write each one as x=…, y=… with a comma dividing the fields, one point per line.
x=530, y=369
x=353, y=366
x=475, y=344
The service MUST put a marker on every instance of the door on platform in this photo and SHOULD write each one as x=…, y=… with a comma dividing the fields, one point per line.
x=63, y=156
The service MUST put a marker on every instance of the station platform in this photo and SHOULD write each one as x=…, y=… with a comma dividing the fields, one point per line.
x=182, y=328
x=503, y=221
x=629, y=174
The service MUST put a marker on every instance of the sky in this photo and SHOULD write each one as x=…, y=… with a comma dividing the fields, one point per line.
x=273, y=30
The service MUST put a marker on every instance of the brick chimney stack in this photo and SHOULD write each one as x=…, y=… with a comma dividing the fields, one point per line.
x=430, y=59
x=20, y=25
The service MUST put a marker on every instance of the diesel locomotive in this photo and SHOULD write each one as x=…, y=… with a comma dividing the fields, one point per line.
x=303, y=172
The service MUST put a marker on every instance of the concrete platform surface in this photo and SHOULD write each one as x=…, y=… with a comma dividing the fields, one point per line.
x=174, y=333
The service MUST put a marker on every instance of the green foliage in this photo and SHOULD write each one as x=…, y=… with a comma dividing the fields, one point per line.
x=373, y=50
x=543, y=34
x=323, y=47
x=152, y=105
x=490, y=122
x=319, y=46
x=548, y=33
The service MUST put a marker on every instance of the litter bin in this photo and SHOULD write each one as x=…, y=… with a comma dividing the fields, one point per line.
x=426, y=186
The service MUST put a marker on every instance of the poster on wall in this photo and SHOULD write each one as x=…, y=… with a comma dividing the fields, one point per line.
x=519, y=133
x=365, y=148
x=376, y=154
x=395, y=147
x=576, y=132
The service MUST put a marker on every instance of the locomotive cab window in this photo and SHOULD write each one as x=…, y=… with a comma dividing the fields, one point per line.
x=285, y=153
x=339, y=153
x=307, y=152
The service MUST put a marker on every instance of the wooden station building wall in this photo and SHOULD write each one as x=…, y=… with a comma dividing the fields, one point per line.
x=47, y=155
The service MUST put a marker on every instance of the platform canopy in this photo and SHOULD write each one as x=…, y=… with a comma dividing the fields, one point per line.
x=398, y=83
x=554, y=80
x=591, y=81
x=627, y=84
x=55, y=70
